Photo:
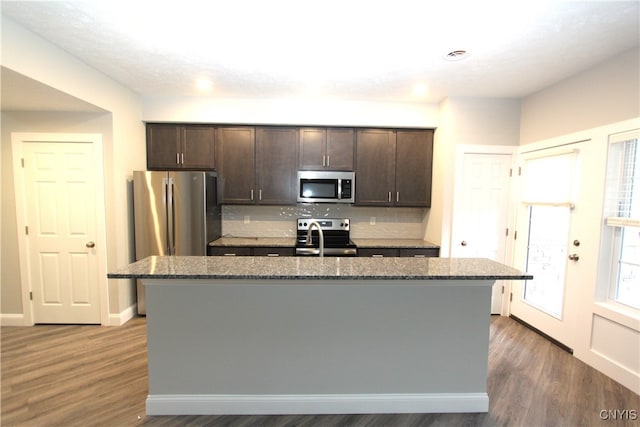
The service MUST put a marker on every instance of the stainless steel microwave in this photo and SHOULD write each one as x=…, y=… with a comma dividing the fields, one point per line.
x=326, y=187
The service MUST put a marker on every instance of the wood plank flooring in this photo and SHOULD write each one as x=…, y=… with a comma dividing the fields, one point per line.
x=95, y=375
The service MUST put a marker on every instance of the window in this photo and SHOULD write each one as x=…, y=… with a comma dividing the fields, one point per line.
x=622, y=219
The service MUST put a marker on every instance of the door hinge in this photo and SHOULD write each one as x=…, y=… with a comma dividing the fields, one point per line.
x=511, y=297
x=26, y=230
x=31, y=295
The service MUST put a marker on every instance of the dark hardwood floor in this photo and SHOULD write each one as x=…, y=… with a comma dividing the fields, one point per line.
x=97, y=376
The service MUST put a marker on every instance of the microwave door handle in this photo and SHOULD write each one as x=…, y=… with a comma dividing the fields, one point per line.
x=339, y=189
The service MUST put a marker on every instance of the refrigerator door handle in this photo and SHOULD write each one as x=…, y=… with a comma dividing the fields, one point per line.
x=172, y=218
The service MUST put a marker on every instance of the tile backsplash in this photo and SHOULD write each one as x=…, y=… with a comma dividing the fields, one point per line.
x=280, y=221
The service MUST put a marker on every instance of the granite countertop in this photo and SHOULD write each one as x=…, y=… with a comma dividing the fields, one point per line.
x=287, y=242
x=314, y=268
x=394, y=243
x=291, y=242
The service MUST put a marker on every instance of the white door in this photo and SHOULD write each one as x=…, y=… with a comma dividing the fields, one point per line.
x=552, y=235
x=62, y=232
x=481, y=212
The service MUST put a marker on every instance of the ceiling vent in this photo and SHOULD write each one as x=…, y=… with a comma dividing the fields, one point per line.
x=456, y=55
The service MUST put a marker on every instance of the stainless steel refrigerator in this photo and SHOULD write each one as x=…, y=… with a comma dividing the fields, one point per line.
x=176, y=213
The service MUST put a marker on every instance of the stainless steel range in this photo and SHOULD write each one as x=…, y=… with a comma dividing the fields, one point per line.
x=333, y=231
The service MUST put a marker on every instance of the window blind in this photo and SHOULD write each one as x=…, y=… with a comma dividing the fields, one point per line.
x=622, y=200
x=550, y=180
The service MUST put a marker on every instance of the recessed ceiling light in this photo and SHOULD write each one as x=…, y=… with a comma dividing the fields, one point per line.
x=420, y=90
x=456, y=55
x=204, y=85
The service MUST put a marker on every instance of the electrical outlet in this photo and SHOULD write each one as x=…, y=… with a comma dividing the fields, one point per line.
x=247, y=219
x=372, y=220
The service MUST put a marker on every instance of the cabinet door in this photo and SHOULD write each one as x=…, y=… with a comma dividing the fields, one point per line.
x=375, y=166
x=163, y=146
x=235, y=165
x=378, y=252
x=414, y=158
x=312, y=149
x=273, y=252
x=420, y=252
x=340, y=148
x=229, y=251
x=276, y=165
x=198, y=150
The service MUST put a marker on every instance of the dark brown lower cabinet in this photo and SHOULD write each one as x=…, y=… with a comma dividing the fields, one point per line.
x=250, y=251
x=399, y=252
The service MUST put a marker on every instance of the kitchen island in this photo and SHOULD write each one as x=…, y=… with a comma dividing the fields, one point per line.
x=295, y=335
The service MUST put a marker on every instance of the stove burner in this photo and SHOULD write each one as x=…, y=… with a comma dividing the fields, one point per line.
x=336, y=237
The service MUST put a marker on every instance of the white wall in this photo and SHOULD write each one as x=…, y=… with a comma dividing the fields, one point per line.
x=291, y=112
x=36, y=58
x=607, y=93
x=469, y=121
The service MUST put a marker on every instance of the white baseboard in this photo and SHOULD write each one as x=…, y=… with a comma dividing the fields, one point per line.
x=121, y=318
x=184, y=404
x=7, y=319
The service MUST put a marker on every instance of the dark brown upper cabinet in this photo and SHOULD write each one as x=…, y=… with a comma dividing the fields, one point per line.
x=276, y=161
x=393, y=167
x=257, y=165
x=235, y=163
x=414, y=166
x=327, y=149
x=171, y=147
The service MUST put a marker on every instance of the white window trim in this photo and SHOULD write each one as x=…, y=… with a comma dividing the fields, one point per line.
x=608, y=305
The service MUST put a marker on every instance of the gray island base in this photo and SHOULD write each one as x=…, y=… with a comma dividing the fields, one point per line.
x=259, y=335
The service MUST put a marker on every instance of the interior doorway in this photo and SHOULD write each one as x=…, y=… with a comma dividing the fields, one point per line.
x=481, y=208
x=59, y=184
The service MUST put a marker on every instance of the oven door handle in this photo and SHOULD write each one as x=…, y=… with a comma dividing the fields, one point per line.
x=307, y=251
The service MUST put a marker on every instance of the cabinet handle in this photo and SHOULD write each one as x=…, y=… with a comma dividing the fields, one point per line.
x=260, y=195
x=389, y=196
x=324, y=164
x=273, y=254
x=177, y=158
x=397, y=196
x=229, y=254
x=328, y=161
x=419, y=256
x=252, y=194
x=377, y=256
x=182, y=158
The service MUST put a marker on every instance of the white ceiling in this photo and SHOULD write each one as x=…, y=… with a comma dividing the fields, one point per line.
x=353, y=50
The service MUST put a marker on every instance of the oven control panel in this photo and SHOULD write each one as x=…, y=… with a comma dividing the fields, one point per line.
x=325, y=223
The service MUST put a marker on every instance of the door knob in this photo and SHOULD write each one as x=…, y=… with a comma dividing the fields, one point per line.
x=90, y=244
x=463, y=243
x=574, y=257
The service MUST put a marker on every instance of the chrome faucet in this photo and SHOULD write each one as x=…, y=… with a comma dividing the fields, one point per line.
x=320, y=233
